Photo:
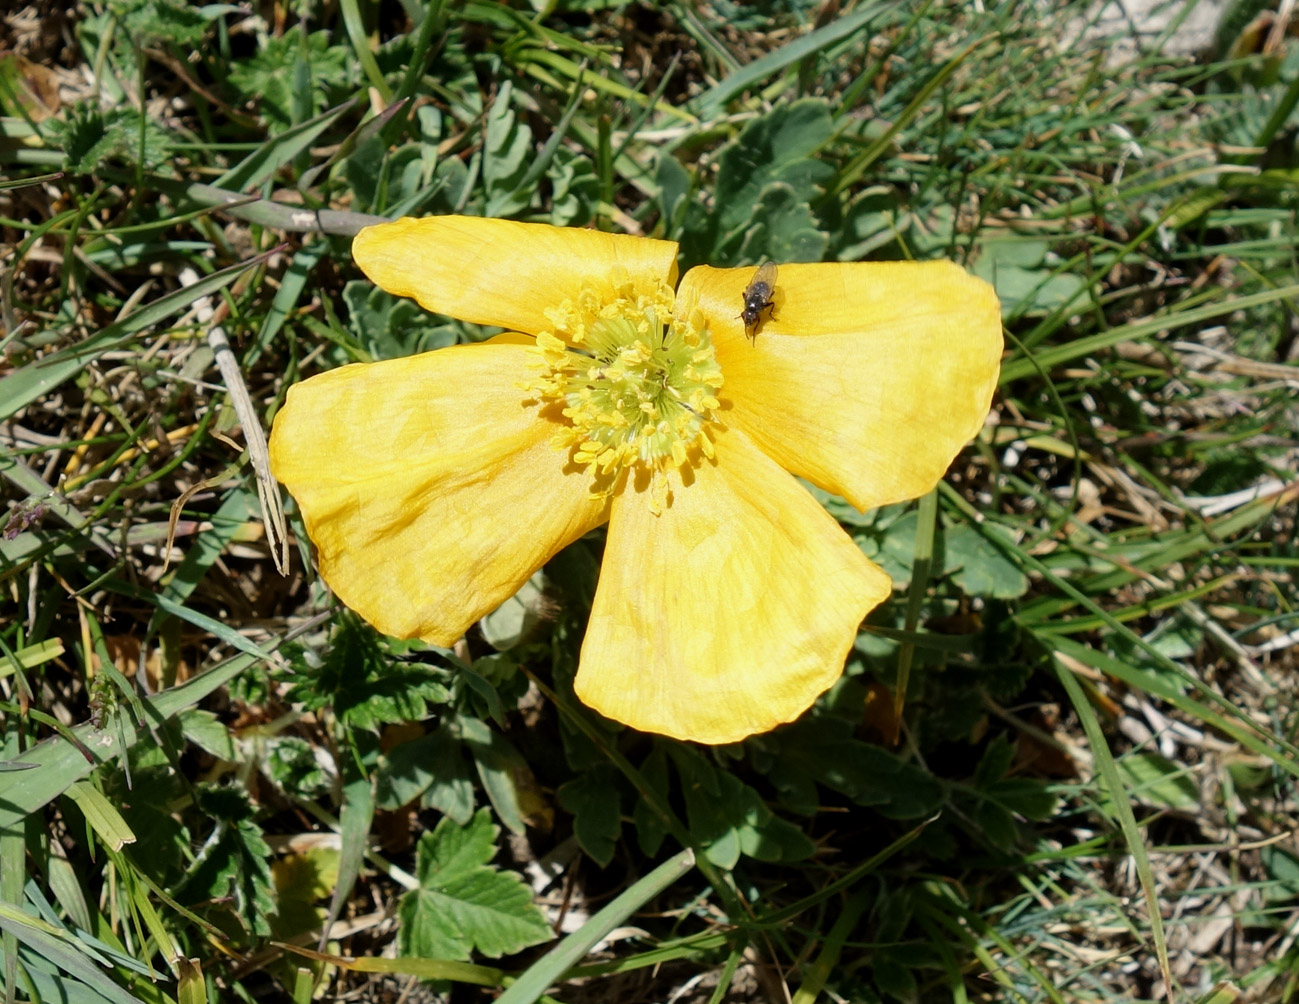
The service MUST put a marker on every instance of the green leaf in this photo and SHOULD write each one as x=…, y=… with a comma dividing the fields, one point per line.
x=777, y=147
x=366, y=686
x=101, y=815
x=389, y=327
x=1282, y=868
x=208, y=733
x=784, y=228
x=462, y=904
x=823, y=751
x=235, y=861
x=574, y=188
x=1155, y=780
x=893, y=978
x=508, y=149
x=292, y=765
x=551, y=967
x=650, y=828
x=91, y=137
x=978, y=566
x=995, y=762
x=407, y=770
x=355, y=817
x=432, y=766
x=173, y=22
x=515, y=619
x=997, y=824
x=594, y=800
x=1025, y=796
x=674, y=185
x=505, y=775
x=267, y=76
x=453, y=790
x=729, y=818
x=896, y=552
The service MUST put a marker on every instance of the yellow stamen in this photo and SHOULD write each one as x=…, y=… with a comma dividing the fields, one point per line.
x=638, y=386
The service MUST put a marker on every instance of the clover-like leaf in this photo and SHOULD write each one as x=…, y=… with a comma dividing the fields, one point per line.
x=463, y=904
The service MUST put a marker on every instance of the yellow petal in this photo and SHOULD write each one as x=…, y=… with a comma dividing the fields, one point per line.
x=430, y=491
x=503, y=272
x=730, y=612
x=869, y=377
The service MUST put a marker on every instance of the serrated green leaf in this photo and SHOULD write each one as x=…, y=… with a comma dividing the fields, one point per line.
x=784, y=228
x=406, y=771
x=729, y=818
x=91, y=136
x=462, y=904
x=267, y=76
x=367, y=687
x=173, y=22
x=234, y=862
x=995, y=762
x=451, y=851
x=290, y=762
x=777, y=147
x=650, y=828
x=997, y=824
x=452, y=792
x=595, y=801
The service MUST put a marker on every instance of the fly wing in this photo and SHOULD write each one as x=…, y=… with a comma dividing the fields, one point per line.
x=766, y=274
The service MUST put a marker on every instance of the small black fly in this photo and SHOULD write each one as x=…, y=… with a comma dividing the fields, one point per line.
x=757, y=298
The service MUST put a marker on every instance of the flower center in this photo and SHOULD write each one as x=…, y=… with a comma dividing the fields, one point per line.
x=638, y=386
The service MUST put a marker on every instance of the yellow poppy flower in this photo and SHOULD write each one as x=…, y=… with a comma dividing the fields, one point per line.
x=434, y=486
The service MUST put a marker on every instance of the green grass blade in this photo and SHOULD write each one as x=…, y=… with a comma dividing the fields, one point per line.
x=710, y=104
x=551, y=967
x=59, y=948
x=262, y=164
x=354, y=820
x=61, y=764
x=1109, y=775
x=1081, y=348
x=816, y=975
x=22, y=387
